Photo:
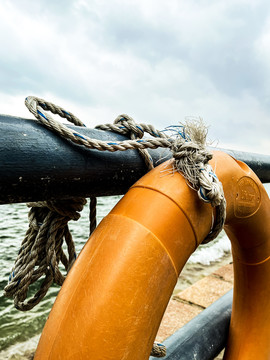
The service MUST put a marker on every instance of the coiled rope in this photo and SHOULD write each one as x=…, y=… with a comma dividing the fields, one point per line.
x=41, y=250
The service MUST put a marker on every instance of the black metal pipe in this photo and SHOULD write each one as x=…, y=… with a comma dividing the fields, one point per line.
x=36, y=164
x=259, y=163
x=203, y=337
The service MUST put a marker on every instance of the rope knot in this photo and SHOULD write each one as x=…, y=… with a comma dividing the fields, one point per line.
x=130, y=125
x=191, y=159
x=210, y=191
x=135, y=132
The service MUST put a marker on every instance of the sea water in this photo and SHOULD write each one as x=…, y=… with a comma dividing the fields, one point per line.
x=19, y=331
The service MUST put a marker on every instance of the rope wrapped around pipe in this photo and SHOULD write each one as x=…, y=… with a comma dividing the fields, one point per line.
x=41, y=251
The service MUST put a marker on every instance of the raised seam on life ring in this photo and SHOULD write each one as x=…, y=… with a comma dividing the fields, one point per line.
x=191, y=225
x=154, y=235
x=253, y=264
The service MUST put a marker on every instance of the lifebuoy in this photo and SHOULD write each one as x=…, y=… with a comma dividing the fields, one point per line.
x=114, y=297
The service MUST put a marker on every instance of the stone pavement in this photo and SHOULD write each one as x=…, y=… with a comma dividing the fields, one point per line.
x=188, y=303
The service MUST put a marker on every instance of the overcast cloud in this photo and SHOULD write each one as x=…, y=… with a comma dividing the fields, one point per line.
x=158, y=61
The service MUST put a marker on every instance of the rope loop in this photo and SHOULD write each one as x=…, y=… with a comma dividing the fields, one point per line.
x=36, y=105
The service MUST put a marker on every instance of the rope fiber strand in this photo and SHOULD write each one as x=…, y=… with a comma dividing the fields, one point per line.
x=41, y=250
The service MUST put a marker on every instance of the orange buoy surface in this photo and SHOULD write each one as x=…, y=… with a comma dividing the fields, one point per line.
x=114, y=297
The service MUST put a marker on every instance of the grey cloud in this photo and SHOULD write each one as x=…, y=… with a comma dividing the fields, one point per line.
x=227, y=57
x=157, y=66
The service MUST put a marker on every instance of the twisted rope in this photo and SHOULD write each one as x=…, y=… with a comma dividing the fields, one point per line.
x=189, y=150
x=158, y=350
x=37, y=105
x=124, y=124
x=41, y=250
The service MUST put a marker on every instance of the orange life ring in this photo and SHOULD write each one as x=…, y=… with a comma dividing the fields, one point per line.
x=114, y=297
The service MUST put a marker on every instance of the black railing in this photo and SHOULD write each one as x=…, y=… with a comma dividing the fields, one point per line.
x=203, y=337
x=37, y=164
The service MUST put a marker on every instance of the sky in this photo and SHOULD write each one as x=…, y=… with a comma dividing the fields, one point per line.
x=158, y=61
